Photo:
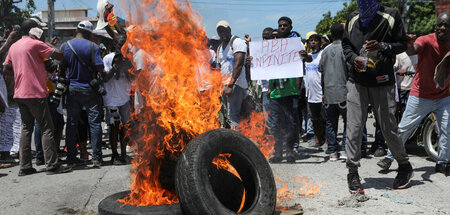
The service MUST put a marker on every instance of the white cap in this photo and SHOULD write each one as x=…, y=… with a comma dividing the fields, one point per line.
x=86, y=25
x=222, y=23
x=37, y=32
x=41, y=24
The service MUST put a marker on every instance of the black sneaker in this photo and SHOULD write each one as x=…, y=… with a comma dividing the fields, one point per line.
x=97, y=163
x=291, y=156
x=380, y=152
x=443, y=168
x=40, y=161
x=75, y=162
x=384, y=163
x=24, y=172
x=354, y=183
x=59, y=170
x=275, y=159
x=118, y=160
x=404, y=176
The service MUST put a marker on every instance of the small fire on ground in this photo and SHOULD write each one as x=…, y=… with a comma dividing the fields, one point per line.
x=285, y=194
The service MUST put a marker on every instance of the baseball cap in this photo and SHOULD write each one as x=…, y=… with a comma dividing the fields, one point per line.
x=309, y=34
x=86, y=25
x=41, y=24
x=222, y=23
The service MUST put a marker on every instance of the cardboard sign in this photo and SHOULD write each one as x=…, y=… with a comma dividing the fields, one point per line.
x=274, y=59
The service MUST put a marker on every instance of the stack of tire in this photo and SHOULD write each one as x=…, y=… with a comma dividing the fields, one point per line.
x=204, y=189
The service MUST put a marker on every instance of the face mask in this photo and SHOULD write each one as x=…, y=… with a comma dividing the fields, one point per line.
x=367, y=10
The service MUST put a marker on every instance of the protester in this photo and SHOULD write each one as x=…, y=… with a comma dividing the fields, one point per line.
x=377, y=31
x=83, y=64
x=334, y=74
x=283, y=108
x=425, y=97
x=231, y=55
x=25, y=58
x=117, y=99
x=313, y=80
x=10, y=122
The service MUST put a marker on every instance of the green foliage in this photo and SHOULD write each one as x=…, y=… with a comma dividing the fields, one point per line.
x=421, y=15
x=11, y=14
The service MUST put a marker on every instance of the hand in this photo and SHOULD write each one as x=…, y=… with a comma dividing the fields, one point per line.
x=373, y=46
x=249, y=60
x=228, y=90
x=6, y=33
x=247, y=38
x=303, y=53
x=54, y=40
x=401, y=71
x=359, y=64
x=411, y=39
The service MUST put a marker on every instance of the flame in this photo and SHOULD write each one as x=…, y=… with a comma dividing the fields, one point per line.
x=255, y=129
x=284, y=194
x=180, y=93
x=178, y=104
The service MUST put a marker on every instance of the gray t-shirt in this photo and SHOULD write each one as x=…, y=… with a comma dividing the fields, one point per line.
x=334, y=73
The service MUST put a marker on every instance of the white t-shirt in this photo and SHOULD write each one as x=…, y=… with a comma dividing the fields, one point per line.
x=313, y=79
x=408, y=63
x=226, y=60
x=117, y=91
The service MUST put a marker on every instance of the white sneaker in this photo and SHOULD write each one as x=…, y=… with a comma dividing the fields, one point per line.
x=342, y=155
x=333, y=156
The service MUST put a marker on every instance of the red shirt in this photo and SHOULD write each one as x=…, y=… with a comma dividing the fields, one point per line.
x=431, y=53
x=26, y=56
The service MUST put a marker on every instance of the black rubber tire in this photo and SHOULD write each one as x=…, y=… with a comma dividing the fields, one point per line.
x=191, y=177
x=110, y=206
x=430, y=138
x=227, y=187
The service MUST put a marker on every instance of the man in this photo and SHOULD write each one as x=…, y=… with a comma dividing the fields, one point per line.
x=117, y=99
x=313, y=88
x=380, y=31
x=81, y=70
x=26, y=58
x=334, y=76
x=425, y=97
x=283, y=108
x=231, y=58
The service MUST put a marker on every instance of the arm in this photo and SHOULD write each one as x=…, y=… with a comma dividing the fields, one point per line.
x=12, y=36
x=7, y=69
x=413, y=48
x=306, y=57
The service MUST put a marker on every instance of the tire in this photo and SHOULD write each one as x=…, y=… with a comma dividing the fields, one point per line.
x=430, y=138
x=110, y=206
x=191, y=178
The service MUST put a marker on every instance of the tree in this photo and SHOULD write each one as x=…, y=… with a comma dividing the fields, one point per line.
x=420, y=15
x=11, y=14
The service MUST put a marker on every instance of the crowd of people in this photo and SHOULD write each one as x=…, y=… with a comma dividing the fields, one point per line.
x=366, y=64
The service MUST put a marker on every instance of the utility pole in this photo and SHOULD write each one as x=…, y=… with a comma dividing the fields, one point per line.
x=402, y=6
x=51, y=17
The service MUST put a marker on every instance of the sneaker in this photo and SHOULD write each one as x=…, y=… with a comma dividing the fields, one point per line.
x=306, y=137
x=443, y=168
x=291, y=156
x=384, y=163
x=75, y=162
x=24, y=172
x=97, y=163
x=342, y=155
x=404, y=176
x=354, y=183
x=40, y=161
x=380, y=152
x=59, y=170
x=301, y=153
x=333, y=156
x=118, y=160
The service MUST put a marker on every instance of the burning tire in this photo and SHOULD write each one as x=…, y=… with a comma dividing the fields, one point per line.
x=197, y=196
x=110, y=206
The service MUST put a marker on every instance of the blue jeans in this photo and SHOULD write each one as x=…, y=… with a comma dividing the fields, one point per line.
x=417, y=109
x=283, y=117
x=234, y=103
x=78, y=97
x=332, y=113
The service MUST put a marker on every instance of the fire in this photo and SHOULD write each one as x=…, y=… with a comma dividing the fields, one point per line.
x=180, y=93
x=284, y=194
x=255, y=129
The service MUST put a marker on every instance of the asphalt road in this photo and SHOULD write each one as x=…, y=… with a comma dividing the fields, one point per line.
x=80, y=191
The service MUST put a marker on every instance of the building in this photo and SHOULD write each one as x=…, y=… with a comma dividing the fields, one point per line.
x=442, y=6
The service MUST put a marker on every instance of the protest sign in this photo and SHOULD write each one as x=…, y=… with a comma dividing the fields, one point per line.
x=274, y=59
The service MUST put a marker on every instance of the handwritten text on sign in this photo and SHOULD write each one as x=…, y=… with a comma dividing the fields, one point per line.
x=274, y=59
